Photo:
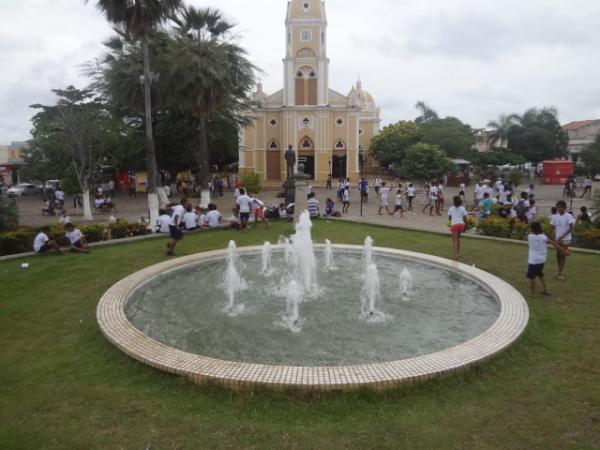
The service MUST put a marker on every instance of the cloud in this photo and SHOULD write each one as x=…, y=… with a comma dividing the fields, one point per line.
x=467, y=58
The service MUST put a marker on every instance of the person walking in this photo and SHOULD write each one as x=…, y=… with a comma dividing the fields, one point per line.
x=563, y=224
x=457, y=215
x=587, y=187
x=384, y=196
x=410, y=194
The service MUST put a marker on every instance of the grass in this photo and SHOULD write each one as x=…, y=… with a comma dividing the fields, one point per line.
x=63, y=386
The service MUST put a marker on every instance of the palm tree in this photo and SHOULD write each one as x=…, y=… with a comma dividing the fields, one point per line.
x=427, y=114
x=139, y=19
x=207, y=72
x=501, y=127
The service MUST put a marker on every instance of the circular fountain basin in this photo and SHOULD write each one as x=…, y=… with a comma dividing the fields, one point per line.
x=173, y=316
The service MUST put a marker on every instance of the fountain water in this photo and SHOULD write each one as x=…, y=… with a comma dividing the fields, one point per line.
x=302, y=246
x=368, y=252
x=328, y=254
x=370, y=291
x=293, y=300
x=266, y=258
x=234, y=283
x=406, y=283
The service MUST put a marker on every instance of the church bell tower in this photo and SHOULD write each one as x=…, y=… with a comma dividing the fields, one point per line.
x=306, y=67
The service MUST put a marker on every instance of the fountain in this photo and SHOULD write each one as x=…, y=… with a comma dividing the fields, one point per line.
x=304, y=254
x=370, y=292
x=170, y=315
x=328, y=255
x=293, y=300
x=368, y=252
x=234, y=283
x=266, y=252
x=406, y=283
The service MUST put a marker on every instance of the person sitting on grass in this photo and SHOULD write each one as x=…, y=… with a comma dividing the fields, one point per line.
x=213, y=217
x=329, y=208
x=43, y=244
x=76, y=239
x=163, y=221
x=234, y=219
x=282, y=211
x=538, y=253
x=190, y=219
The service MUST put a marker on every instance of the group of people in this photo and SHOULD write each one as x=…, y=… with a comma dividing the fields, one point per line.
x=77, y=243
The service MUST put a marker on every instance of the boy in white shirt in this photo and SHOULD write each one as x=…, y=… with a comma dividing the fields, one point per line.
x=76, y=239
x=259, y=209
x=384, y=196
x=245, y=205
x=433, y=199
x=175, y=226
x=200, y=218
x=213, y=217
x=410, y=193
x=538, y=252
x=43, y=244
x=234, y=220
x=190, y=219
x=398, y=205
x=563, y=224
x=162, y=222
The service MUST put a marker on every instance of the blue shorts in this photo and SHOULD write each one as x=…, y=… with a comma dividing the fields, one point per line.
x=44, y=248
x=535, y=271
x=176, y=233
x=245, y=217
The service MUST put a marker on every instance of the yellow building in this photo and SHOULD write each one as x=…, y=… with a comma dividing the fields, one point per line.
x=329, y=131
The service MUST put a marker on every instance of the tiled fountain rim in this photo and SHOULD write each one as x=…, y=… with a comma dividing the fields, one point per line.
x=116, y=327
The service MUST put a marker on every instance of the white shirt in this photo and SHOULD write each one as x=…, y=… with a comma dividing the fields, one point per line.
x=499, y=183
x=59, y=195
x=74, y=235
x=561, y=225
x=384, y=192
x=377, y=182
x=433, y=192
x=462, y=187
x=234, y=219
x=479, y=191
x=39, y=241
x=190, y=220
x=213, y=218
x=587, y=182
x=531, y=213
x=410, y=191
x=257, y=203
x=457, y=215
x=503, y=194
x=538, y=248
x=399, y=199
x=163, y=222
x=489, y=190
x=177, y=216
x=244, y=203
x=346, y=195
x=201, y=220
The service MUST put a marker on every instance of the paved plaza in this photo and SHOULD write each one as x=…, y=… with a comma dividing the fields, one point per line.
x=133, y=208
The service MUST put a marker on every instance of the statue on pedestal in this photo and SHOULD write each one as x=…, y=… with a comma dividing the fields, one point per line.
x=290, y=158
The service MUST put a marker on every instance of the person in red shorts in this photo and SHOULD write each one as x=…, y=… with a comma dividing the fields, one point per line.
x=457, y=215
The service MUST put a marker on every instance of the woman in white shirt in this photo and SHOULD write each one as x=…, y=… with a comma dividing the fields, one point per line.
x=457, y=214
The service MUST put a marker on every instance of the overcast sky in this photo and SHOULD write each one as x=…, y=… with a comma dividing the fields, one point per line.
x=471, y=59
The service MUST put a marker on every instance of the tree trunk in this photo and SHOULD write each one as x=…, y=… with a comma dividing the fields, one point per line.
x=162, y=197
x=87, y=209
x=151, y=168
x=202, y=162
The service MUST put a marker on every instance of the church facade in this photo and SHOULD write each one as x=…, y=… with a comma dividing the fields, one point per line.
x=330, y=132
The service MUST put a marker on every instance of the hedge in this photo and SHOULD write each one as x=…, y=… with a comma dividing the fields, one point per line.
x=21, y=240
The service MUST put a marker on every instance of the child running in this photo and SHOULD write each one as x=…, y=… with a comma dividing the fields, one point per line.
x=563, y=224
x=457, y=214
x=538, y=252
x=398, y=205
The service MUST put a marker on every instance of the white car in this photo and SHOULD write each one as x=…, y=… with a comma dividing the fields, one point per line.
x=22, y=189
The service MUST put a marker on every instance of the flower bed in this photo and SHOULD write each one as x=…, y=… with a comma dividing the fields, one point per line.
x=21, y=240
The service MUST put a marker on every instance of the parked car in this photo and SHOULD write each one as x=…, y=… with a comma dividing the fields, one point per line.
x=22, y=189
x=51, y=185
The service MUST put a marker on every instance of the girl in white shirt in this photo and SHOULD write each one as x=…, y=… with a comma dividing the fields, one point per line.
x=457, y=214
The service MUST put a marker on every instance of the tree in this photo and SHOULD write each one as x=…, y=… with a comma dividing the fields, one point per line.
x=75, y=136
x=590, y=156
x=500, y=128
x=538, y=135
x=139, y=19
x=211, y=72
x=425, y=161
x=8, y=214
x=451, y=135
x=427, y=114
x=389, y=146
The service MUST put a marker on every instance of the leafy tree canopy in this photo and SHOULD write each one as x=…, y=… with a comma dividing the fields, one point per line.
x=591, y=157
x=425, y=161
x=389, y=146
x=451, y=135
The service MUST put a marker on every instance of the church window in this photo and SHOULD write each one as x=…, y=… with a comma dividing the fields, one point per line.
x=312, y=74
x=306, y=121
x=306, y=35
x=339, y=122
x=340, y=144
x=273, y=122
x=274, y=145
x=306, y=144
x=306, y=6
x=299, y=74
x=360, y=131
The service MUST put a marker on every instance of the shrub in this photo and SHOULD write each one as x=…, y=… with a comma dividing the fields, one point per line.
x=519, y=229
x=251, y=182
x=8, y=214
x=589, y=238
x=21, y=240
x=495, y=226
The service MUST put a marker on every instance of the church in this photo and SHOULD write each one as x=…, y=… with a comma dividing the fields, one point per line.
x=329, y=131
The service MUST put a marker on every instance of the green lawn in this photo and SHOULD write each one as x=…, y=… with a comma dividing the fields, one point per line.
x=62, y=385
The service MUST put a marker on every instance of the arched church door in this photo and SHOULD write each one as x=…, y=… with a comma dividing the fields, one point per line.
x=306, y=156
